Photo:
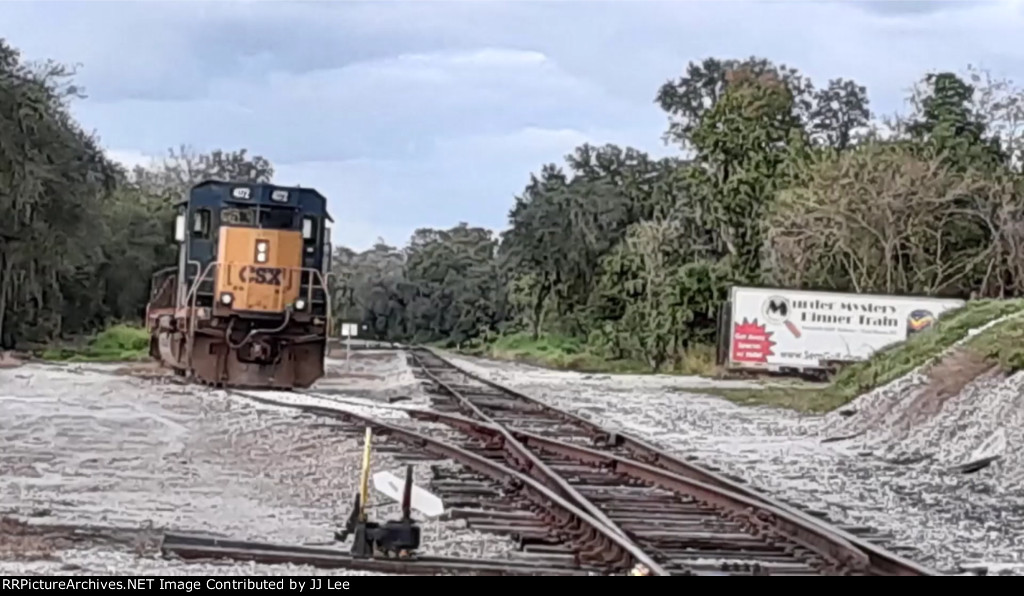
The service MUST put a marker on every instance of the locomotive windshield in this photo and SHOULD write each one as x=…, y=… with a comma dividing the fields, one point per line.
x=262, y=217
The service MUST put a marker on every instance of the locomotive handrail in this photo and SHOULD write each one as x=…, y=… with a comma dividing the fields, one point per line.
x=316, y=281
x=199, y=267
x=328, y=311
x=153, y=292
x=193, y=294
x=156, y=274
x=193, y=291
x=329, y=299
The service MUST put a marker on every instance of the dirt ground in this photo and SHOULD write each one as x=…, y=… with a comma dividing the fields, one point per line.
x=122, y=449
x=9, y=360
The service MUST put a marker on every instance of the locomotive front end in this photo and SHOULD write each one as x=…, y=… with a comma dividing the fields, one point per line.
x=253, y=308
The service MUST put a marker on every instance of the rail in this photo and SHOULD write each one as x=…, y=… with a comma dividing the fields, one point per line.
x=816, y=534
x=186, y=546
x=677, y=510
x=820, y=539
x=523, y=453
x=574, y=520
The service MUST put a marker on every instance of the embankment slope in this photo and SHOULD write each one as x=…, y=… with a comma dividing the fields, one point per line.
x=953, y=397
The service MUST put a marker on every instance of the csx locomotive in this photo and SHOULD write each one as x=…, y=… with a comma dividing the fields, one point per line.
x=247, y=305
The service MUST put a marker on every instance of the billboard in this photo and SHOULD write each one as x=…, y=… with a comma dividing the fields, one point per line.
x=774, y=328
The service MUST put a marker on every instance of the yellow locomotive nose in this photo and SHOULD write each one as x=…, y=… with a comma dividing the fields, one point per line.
x=247, y=305
x=259, y=268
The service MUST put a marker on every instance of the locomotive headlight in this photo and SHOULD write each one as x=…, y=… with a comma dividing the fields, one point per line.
x=226, y=298
x=300, y=304
x=261, y=251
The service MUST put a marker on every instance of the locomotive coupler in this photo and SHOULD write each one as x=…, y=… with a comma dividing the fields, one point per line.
x=392, y=538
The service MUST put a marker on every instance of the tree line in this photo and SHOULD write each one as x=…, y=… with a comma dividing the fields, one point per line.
x=80, y=235
x=777, y=181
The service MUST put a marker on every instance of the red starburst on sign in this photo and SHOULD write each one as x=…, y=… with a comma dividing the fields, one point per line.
x=751, y=342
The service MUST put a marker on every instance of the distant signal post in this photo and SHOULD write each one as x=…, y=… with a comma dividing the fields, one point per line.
x=348, y=331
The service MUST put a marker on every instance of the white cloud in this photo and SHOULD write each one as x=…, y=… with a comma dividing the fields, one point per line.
x=380, y=109
x=409, y=114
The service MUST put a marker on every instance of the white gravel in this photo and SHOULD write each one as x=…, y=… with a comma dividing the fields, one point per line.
x=910, y=419
x=85, y=445
x=946, y=520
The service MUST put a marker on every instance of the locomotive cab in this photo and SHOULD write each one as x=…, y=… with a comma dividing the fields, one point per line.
x=250, y=301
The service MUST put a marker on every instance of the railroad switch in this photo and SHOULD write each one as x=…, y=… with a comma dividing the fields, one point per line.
x=392, y=538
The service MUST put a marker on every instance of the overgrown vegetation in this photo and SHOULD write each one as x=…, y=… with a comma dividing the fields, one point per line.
x=1002, y=344
x=618, y=260
x=613, y=259
x=79, y=235
x=119, y=343
x=569, y=353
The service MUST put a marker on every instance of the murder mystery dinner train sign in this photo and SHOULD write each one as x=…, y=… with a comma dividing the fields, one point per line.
x=774, y=328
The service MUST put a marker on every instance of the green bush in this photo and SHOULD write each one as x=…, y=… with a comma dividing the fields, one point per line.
x=899, y=359
x=568, y=353
x=120, y=343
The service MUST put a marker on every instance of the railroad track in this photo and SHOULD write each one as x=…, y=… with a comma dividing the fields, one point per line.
x=679, y=512
x=580, y=498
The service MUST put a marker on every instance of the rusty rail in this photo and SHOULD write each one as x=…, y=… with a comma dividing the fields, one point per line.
x=534, y=465
x=595, y=540
x=655, y=465
x=815, y=537
x=191, y=547
x=537, y=468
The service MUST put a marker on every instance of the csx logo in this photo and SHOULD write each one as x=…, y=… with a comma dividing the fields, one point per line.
x=265, y=276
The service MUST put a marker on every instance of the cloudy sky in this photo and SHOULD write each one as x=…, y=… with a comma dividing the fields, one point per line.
x=430, y=113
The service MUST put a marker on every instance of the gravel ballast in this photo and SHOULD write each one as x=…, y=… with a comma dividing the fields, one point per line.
x=85, y=445
x=942, y=518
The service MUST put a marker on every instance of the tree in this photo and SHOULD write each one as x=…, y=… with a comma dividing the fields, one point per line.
x=945, y=121
x=184, y=167
x=881, y=219
x=741, y=144
x=627, y=256
x=79, y=236
x=840, y=112
x=54, y=181
x=688, y=98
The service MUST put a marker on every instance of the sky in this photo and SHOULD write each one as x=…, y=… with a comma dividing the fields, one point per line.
x=426, y=114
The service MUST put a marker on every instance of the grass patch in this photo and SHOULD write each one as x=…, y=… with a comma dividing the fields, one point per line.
x=120, y=343
x=556, y=351
x=567, y=353
x=1001, y=344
